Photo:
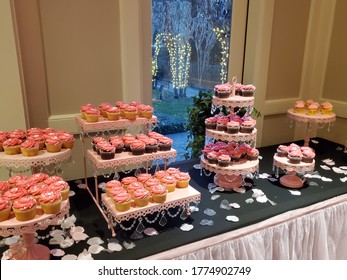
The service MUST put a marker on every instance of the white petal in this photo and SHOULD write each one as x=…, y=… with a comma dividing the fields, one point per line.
x=76, y=229
x=262, y=199
x=56, y=232
x=214, y=197
x=95, y=241
x=68, y=242
x=71, y=193
x=69, y=257
x=56, y=240
x=325, y=179
x=232, y=218
x=325, y=167
x=249, y=200
x=12, y=240
x=114, y=247
x=85, y=255
x=79, y=236
x=95, y=249
x=186, y=227
x=295, y=192
x=235, y=205
x=57, y=252
x=82, y=186
x=150, y=231
x=344, y=179
x=128, y=246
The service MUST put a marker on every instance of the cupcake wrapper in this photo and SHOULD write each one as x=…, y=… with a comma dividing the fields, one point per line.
x=25, y=215
x=52, y=207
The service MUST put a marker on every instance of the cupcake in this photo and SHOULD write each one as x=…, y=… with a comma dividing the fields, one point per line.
x=222, y=123
x=183, y=179
x=248, y=125
x=61, y=186
x=146, y=111
x=159, y=193
x=115, y=190
x=121, y=105
x=122, y=201
x=161, y=174
x=34, y=131
x=24, y=208
x=36, y=190
x=212, y=157
x=92, y=115
x=4, y=186
x=137, y=147
x=326, y=108
x=113, y=113
x=84, y=108
x=224, y=160
x=15, y=193
x=53, y=144
x=126, y=181
x=5, y=208
x=235, y=155
x=143, y=177
x=170, y=182
x=52, y=179
x=312, y=109
x=151, y=145
x=151, y=183
x=103, y=108
x=39, y=138
x=282, y=150
x=11, y=146
x=130, y=113
x=50, y=202
x=29, y=148
x=165, y=143
x=112, y=184
x=211, y=123
x=96, y=140
x=18, y=133
x=252, y=153
x=134, y=186
x=247, y=90
x=173, y=170
x=25, y=184
x=233, y=127
x=118, y=144
x=128, y=139
x=308, y=154
x=294, y=156
x=15, y=178
x=308, y=102
x=223, y=90
x=141, y=197
x=67, y=139
x=299, y=107
x=106, y=150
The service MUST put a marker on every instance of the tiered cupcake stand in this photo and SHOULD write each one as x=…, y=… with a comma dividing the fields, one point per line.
x=310, y=120
x=291, y=180
x=125, y=161
x=232, y=176
x=28, y=249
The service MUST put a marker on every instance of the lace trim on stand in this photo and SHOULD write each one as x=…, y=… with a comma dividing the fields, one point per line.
x=224, y=136
x=284, y=164
x=318, y=118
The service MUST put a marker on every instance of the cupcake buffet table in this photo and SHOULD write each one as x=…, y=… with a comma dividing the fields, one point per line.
x=310, y=120
x=28, y=249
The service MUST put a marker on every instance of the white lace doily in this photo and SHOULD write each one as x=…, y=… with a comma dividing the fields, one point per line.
x=243, y=167
x=318, y=118
x=234, y=101
x=225, y=136
x=284, y=164
x=105, y=124
x=179, y=197
x=14, y=227
x=126, y=158
x=42, y=159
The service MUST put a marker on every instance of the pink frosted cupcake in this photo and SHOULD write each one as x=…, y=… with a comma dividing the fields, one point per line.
x=24, y=208
x=4, y=186
x=130, y=113
x=36, y=190
x=152, y=182
x=112, y=184
x=252, y=153
x=39, y=138
x=173, y=170
x=308, y=154
x=84, y=108
x=143, y=177
x=222, y=123
x=15, y=178
x=106, y=151
x=68, y=140
x=223, y=90
x=145, y=111
x=11, y=146
x=165, y=143
x=248, y=125
x=126, y=181
x=50, y=201
x=61, y=186
x=159, y=193
x=38, y=177
x=113, y=113
x=212, y=157
x=15, y=193
x=183, y=179
x=141, y=197
x=52, y=179
x=294, y=156
x=29, y=148
x=151, y=145
x=170, y=182
x=53, y=144
x=18, y=133
x=233, y=127
x=92, y=115
x=160, y=174
x=122, y=201
x=137, y=147
x=103, y=108
x=224, y=160
x=134, y=186
x=282, y=150
x=211, y=123
x=5, y=208
x=118, y=144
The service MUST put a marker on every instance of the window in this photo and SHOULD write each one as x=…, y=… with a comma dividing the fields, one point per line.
x=190, y=53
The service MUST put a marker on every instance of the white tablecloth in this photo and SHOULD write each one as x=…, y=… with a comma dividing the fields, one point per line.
x=315, y=232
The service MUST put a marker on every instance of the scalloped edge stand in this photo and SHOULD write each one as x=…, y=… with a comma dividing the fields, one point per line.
x=228, y=182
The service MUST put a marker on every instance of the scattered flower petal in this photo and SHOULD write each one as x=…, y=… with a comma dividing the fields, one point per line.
x=56, y=240
x=209, y=212
x=272, y=179
x=129, y=246
x=57, y=252
x=71, y=193
x=257, y=192
x=205, y=222
x=69, y=257
x=264, y=176
x=114, y=247
x=76, y=229
x=249, y=200
x=232, y=218
x=95, y=249
x=344, y=179
x=186, y=227
x=240, y=190
x=150, y=231
x=235, y=205
x=197, y=166
x=66, y=243
x=82, y=186
x=95, y=241
x=193, y=209
x=79, y=236
x=261, y=199
x=225, y=204
x=85, y=255
x=325, y=179
x=12, y=240
x=214, y=197
x=314, y=141
x=313, y=184
x=325, y=167
x=295, y=192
